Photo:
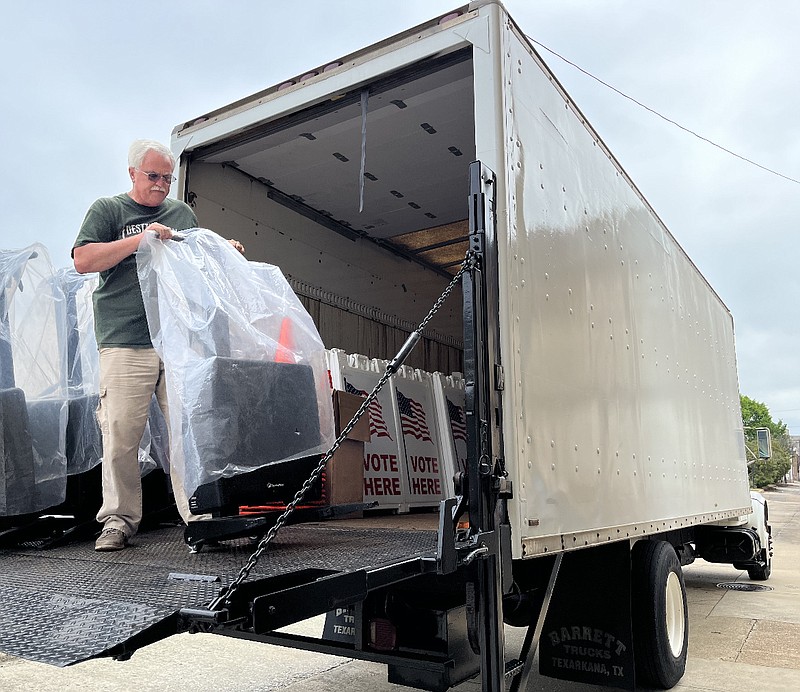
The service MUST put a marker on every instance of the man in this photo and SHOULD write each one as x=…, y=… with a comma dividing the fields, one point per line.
x=130, y=369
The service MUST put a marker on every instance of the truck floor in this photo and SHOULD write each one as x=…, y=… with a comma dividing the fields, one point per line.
x=68, y=604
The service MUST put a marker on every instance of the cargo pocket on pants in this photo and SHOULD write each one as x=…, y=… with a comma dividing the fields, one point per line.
x=102, y=419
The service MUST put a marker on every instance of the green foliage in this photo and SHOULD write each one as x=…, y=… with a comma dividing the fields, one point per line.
x=763, y=472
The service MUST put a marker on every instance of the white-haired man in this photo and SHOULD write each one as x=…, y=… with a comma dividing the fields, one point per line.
x=130, y=369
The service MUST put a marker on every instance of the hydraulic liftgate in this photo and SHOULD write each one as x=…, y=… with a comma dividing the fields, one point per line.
x=68, y=604
x=467, y=559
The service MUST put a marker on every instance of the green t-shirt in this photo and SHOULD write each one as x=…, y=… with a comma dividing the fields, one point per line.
x=119, y=316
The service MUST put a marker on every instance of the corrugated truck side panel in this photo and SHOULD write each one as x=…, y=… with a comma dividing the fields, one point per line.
x=621, y=406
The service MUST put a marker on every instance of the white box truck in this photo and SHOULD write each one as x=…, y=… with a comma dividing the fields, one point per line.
x=605, y=441
x=602, y=389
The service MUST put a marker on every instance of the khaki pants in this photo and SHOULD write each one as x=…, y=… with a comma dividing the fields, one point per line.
x=128, y=379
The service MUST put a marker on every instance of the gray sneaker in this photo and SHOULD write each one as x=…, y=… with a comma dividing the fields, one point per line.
x=110, y=539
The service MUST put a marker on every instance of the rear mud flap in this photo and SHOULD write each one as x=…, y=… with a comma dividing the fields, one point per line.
x=587, y=632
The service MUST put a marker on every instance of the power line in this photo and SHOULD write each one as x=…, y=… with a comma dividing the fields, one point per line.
x=663, y=117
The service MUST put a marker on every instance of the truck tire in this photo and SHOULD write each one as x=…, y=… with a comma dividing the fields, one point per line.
x=761, y=572
x=761, y=569
x=659, y=614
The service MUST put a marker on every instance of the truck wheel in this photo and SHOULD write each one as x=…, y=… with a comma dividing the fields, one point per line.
x=659, y=614
x=764, y=570
x=761, y=569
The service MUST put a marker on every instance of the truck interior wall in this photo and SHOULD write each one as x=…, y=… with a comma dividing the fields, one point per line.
x=363, y=298
x=354, y=333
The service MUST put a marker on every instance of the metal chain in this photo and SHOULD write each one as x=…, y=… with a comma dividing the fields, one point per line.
x=470, y=260
x=226, y=595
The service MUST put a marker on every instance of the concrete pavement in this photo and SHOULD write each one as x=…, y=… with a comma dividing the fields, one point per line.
x=738, y=641
x=749, y=640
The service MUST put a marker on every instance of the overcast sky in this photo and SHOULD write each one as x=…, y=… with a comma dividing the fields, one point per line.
x=81, y=80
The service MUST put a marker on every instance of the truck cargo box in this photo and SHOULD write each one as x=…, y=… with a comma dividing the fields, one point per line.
x=620, y=406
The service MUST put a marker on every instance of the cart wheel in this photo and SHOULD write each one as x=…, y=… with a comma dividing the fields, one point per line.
x=195, y=547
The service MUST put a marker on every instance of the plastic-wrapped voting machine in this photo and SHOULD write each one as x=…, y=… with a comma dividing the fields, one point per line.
x=84, y=440
x=84, y=445
x=33, y=383
x=247, y=382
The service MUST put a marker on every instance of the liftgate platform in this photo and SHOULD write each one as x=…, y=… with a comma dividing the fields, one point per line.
x=68, y=604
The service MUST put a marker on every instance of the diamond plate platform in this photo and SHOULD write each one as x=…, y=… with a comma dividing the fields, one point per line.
x=68, y=604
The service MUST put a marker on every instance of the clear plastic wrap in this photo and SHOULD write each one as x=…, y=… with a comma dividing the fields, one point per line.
x=83, y=362
x=247, y=382
x=84, y=440
x=154, y=446
x=33, y=383
x=84, y=445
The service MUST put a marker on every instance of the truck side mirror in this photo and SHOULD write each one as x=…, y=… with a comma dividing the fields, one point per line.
x=764, y=440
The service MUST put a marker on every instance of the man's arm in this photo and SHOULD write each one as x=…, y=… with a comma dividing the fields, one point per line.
x=97, y=257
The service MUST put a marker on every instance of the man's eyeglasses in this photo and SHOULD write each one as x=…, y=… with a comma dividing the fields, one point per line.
x=153, y=177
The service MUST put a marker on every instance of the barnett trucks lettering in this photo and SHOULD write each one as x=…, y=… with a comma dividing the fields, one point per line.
x=591, y=635
x=347, y=629
x=587, y=649
x=594, y=667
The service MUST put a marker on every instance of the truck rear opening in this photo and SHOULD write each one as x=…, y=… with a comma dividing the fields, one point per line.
x=370, y=253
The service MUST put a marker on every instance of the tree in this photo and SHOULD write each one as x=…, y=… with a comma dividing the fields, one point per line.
x=765, y=471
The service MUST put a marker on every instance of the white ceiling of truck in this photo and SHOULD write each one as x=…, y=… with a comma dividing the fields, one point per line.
x=418, y=144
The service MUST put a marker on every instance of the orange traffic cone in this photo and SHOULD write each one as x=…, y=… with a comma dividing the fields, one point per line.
x=285, y=351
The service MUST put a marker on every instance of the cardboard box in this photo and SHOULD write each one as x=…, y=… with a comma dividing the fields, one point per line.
x=344, y=406
x=344, y=477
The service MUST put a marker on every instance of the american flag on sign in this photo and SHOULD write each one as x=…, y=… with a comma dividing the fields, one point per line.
x=377, y=425
x=412, y=418
x=458, y=423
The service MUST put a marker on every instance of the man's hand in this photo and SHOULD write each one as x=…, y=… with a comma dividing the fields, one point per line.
x=162, y=231
x=236, y=244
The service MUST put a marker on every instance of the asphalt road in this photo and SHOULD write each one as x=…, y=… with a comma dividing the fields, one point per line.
x=739, y=640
